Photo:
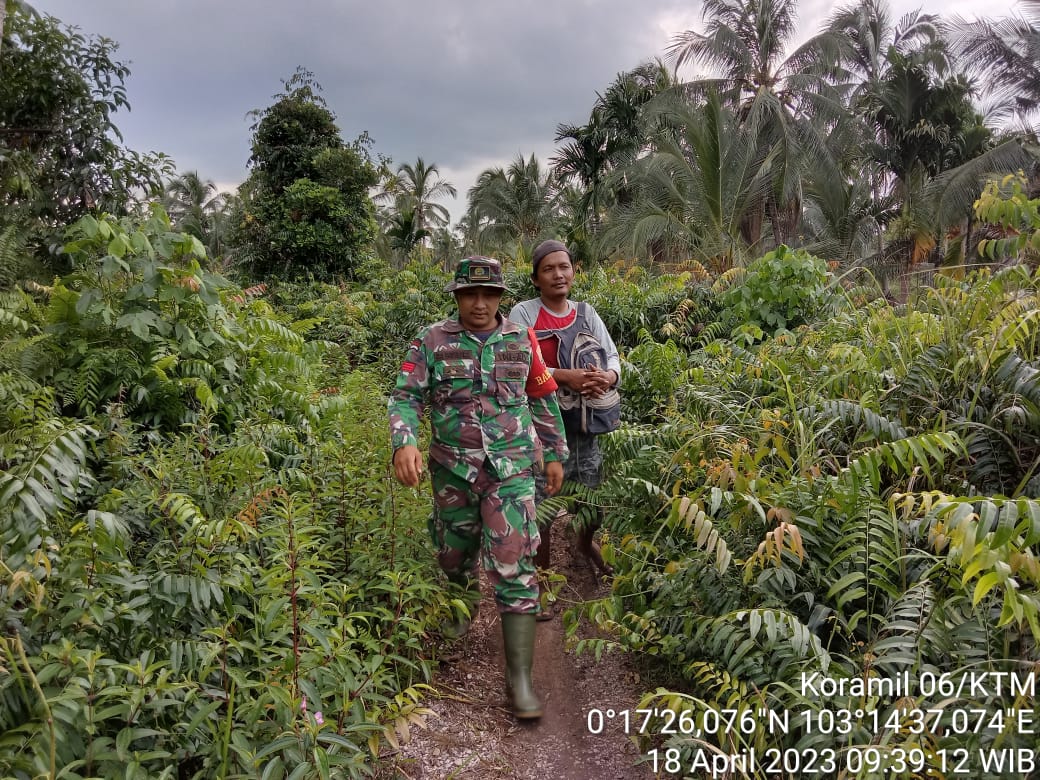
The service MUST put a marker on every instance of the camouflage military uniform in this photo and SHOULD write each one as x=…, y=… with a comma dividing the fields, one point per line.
x=492, y=409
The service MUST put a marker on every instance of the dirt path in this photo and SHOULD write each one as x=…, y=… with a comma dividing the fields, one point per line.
x=472, y=733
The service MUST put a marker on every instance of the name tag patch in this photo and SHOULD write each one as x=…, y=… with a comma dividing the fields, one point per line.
x=456, y=371
x=455, y=354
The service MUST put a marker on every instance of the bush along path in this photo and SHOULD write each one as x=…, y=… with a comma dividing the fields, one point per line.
x=469, y=731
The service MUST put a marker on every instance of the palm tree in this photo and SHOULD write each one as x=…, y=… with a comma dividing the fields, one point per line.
x=843, y=220
x=745, y=46
x=866, y=36
x=514, y=205
x=916, y=119
x=403, y=230
x=1005, y=55
x=613, y=137
x=783, y=98
x=699, y=190
x=585, y=158
x=197, y=208
x=416, y=187
x=446, y=247
x=923, y=147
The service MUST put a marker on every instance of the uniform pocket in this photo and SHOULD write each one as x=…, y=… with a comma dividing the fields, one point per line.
x=510, y=382
x=453, y=381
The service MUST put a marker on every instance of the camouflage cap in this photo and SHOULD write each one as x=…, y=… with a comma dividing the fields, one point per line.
x=477, y=272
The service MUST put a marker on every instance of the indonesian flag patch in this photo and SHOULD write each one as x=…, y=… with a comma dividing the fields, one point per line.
x=408, y=366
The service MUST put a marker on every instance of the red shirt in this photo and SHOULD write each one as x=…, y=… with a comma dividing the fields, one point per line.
x=551, y=344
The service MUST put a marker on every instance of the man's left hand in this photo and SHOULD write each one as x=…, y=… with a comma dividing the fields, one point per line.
x=553, y=477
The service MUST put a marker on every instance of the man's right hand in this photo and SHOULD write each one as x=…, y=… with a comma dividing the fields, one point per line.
x=571, y=378
x=408, y=465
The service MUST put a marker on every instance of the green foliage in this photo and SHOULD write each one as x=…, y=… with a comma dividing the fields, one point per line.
x=851, y=500
x=1006, y=205
x=372, y=322
x=307, y=212
x=59, y=150
x=312, y=230
x=201, y=547
x=651, y=375
x=632, y=300
x=780, y=291
x=512, y=207
x=224, y=584
x=922, y=123
x=223, y=595
x=15, y=259
x=139, y=322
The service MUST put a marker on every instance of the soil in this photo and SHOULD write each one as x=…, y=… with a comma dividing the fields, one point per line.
x=472, y=733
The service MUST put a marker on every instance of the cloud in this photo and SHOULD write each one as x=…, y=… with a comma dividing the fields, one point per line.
x=463, y=84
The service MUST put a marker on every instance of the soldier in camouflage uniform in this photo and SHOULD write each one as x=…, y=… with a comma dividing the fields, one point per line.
x=493, y=415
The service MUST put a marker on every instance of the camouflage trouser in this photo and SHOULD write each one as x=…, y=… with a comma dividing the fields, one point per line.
x=584, y=464
x=494, y=518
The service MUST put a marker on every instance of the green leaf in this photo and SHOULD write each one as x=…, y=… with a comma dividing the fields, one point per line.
x=984, y=586
x=137, y=322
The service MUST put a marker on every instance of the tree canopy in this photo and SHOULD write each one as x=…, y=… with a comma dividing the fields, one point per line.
x=61, y=154
x=307, y=210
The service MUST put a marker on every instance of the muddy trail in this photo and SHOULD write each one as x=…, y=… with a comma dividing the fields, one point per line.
x=472, y=735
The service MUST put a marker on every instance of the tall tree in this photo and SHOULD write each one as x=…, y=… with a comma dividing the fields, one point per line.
x=612, y=137
x=307, y=210
x=416, y=188
x=923, y=146
x=8, y=7
x=694, y=193
x=512, y=205
x=403, y=228
x=1005, y=55
x=60, y=150
x=784, y=98
x=866, y=36
x=197, y=208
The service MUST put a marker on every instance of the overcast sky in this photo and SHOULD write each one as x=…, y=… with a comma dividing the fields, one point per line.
x=461, y=83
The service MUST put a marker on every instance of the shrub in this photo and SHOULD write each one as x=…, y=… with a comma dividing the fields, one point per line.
x=780, y=291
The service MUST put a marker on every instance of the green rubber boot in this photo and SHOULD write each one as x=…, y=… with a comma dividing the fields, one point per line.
x=518, y=639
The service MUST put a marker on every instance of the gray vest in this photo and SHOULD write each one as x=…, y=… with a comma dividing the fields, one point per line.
x=579, y=348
